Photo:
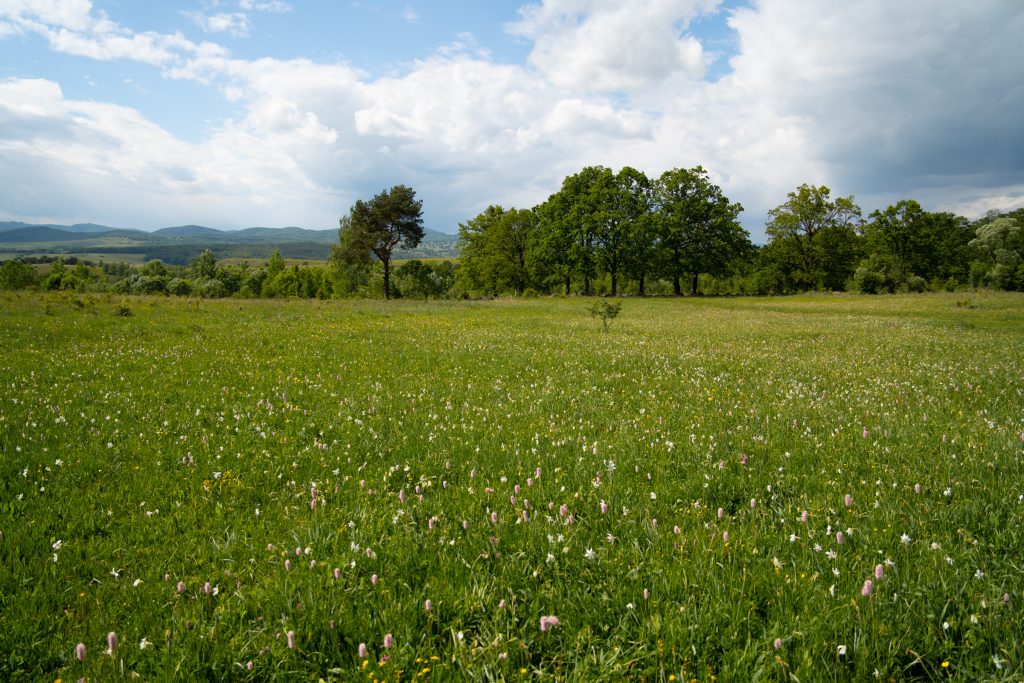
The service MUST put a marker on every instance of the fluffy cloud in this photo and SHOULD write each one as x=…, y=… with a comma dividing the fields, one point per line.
x=233, y=23
x=610, y=45
x=883, y=101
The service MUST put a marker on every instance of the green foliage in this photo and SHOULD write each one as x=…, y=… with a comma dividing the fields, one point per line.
x=393, y=217
x=606, y=311
x=16, y=274
x=122, y=309
x=204, y=266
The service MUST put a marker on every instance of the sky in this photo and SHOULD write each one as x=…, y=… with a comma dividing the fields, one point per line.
x=239, y=113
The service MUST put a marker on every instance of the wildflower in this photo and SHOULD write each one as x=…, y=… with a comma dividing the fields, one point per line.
x=646, y=594
x=291, y=640
x=373, y=579
x=917, y=488
x=778, y=643
x=111, y=642
x=604, y=508
x=337, y=573
x=879, y=572
x=563, y=510
x=548, y=622
x=803, y=517
x=839, y=537
x=362, y=651
x=590, y=554
x=144, y=643
x=866, y=590
x=80, y=652
x=905, y=539
x=847, y=500
x=841, y=650
x=181, y=586
x=428, y=605
x=676, y=530
x=725, y=536
x=389, y=641
x=721, y=513
x=753, y=503
x=249, y=665
x=287, y=565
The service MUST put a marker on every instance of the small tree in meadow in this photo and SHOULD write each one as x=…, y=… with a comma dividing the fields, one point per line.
x=606, y=311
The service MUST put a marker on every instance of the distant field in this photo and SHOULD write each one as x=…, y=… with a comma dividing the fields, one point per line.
x=136, y=259
x=802, y=488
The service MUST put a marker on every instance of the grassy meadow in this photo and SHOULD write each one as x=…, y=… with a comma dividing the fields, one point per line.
x=807, y=488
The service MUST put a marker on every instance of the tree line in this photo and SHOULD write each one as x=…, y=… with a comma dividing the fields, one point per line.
x=607, y=233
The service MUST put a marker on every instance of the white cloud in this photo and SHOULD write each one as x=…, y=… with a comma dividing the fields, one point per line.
x=233, y=23
x=873, y=98
x=606, y=45
x=410, y=15
x=271, y=6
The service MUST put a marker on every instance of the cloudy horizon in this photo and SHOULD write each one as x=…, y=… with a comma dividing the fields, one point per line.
x=241, y=113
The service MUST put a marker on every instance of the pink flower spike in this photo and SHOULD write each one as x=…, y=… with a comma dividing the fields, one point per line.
x=362, y=651
x=847, y=500
x=250, y=666
x=287, y=565
x=803, y=517
x=866, y=590
x=721, y=513
x=647, y=594
x=839, y=537
x=112, y=641
x=428, y=605
x=501, y=604
x=725, y=536
x=465, y=524
x=181, y=586
x=604, y=508
x=753, y=503
x=676, y=530
x=291, y=640
x=778, y=643
x=494, y=518
x=548, y=623
x=401, y=496
x=337, y=572
x=879, y=572
x=563, y=510
x=80, y=652
x=865, y=433
x=917, y=488
x=373, y=579
x=389, y=641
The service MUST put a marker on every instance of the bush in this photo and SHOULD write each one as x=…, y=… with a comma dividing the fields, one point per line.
x=210, y=288
x=916, y=283
x=868, y=281
x=179, y=287
x=122, y=309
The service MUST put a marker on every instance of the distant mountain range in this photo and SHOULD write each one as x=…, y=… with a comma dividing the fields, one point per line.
x=179, y=244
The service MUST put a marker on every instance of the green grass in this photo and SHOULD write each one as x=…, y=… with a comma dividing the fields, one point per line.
x=180, y=444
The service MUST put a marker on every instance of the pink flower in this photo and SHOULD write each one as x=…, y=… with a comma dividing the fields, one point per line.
x=725, y=536
x=676, y=530
x=494, y=518
x=866, y=590
x=501, y=604
x=744, y=459
x=847, y=500
x=526, y=516
x=839, y=537
x=753, y=503
x=1006, y=598
x=879, y=572
x=803, y=517
x=516, y=490
x=312, y=498
x=917, y=488
x=865, y=433
x=428, y=605
x=778, y=643
x=373, y=579
x=430, y=523
x=548, y=622
x=362, y=651
x=563, y=510
x=465, y=524
x=529, y=482
x=604, y=508
x=181, y=587
x=250, y=666
x=287, y=565
x=647, y=594
x=389, y=640
x=401, y=496
x=80, y=652
x=337, y=573
x=536, y=472
x=721, y=513
x=654, y=523
x=207, y=588
x=112, y=641
x=291, y=640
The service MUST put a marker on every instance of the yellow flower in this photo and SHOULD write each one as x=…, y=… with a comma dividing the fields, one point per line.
x=945, y=665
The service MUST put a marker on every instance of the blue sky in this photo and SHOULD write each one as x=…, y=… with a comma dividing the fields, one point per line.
x=233, y=113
